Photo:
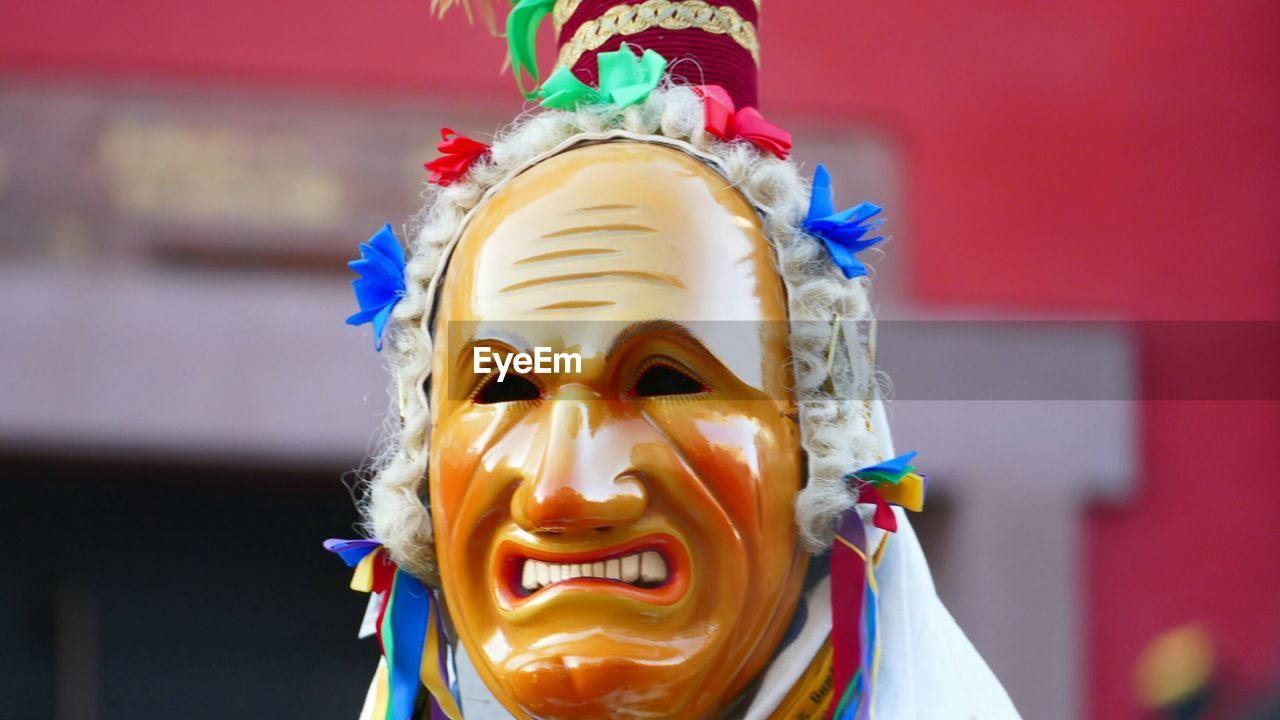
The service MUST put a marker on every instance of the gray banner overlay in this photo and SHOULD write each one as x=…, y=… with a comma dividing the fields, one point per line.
x=934, y=360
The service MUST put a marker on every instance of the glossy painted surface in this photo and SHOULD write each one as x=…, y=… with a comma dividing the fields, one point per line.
x=609, y=248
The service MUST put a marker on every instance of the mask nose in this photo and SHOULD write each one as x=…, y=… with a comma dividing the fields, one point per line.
x=582, y=478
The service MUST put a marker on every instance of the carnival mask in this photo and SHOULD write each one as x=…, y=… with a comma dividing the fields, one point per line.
x=616, y=539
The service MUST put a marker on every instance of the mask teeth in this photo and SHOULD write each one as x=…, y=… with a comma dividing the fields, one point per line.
x=643, y=569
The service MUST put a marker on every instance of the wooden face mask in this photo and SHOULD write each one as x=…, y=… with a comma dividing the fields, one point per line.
x=616, y=539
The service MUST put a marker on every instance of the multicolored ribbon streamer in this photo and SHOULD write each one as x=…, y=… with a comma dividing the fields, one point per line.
x=855, y=595
x=625, y=79
x=850, y=609
x=409, y=629
x=892, y=482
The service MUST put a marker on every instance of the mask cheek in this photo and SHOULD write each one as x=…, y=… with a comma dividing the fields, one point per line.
x=461, y=447
x=728, y=452
x=751, y=468
x=452, y=463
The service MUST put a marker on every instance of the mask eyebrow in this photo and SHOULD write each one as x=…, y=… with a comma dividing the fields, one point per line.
x=490, y=336
x=643, y=327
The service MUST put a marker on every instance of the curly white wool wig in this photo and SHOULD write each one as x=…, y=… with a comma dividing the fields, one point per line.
x=834, y=378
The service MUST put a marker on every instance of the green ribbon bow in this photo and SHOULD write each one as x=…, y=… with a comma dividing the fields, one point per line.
x=522, y=32
x=624, y=80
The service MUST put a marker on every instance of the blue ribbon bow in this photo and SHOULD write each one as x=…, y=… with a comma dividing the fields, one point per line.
x=842, y=232
x=381, y=283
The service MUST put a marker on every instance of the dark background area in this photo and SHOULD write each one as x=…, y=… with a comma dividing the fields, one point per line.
x=178, y=590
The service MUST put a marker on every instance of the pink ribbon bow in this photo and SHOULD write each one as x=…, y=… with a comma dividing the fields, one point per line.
x=460, y=152
x=746, y=124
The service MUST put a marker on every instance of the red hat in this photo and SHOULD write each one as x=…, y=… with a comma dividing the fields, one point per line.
x=705, y=42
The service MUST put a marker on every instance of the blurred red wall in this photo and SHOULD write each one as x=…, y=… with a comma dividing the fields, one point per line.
x=1085, y=157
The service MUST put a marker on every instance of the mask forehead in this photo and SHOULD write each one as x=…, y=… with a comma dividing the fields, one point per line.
x=600, y=236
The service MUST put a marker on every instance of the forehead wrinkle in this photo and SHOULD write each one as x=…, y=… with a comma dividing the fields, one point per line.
x=565, y=255
x=604, y=209
x=605, y=230
x=570, y=305
x=643, y=276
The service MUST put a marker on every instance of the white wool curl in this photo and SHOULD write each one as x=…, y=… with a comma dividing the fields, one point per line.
x=834, y=428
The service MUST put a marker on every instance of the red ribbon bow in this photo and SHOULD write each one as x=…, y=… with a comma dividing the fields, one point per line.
x=883, y=517
x=745, y=124
x=460, y=152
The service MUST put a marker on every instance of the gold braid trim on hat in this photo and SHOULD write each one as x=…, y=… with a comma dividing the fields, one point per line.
x=667, y=14
x=564, y=9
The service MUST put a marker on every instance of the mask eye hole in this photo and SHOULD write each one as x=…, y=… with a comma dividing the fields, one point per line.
x=512, y=388
x=661, y=380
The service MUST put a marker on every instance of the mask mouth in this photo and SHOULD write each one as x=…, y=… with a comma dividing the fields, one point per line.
x=653, y=568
